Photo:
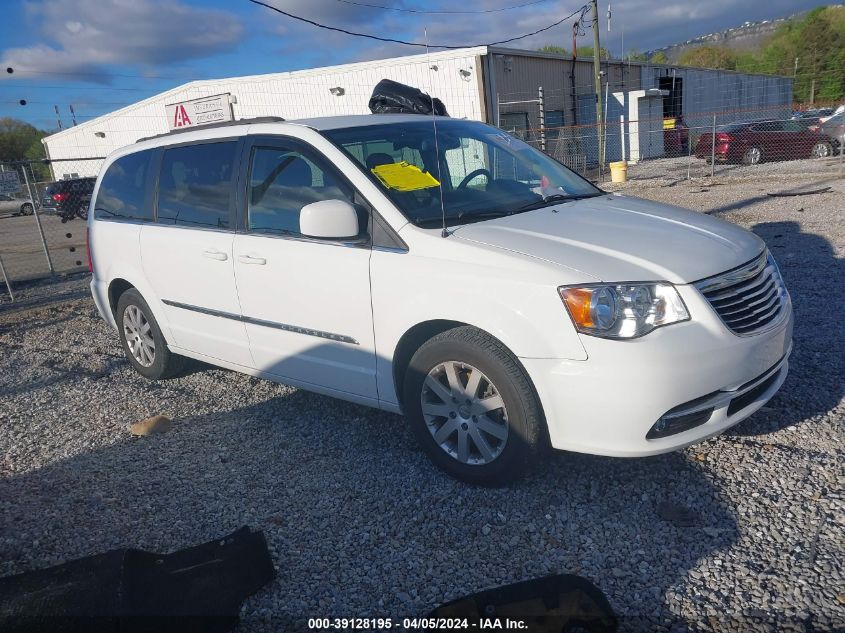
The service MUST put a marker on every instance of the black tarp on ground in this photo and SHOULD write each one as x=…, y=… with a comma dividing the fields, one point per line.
x=391, y=97
x=551, y=604
x=128, y=590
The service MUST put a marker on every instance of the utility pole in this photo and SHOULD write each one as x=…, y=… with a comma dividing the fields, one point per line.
x=597, y=78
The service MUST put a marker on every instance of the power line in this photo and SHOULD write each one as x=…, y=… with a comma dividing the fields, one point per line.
x=407, y=43
x=442, y=12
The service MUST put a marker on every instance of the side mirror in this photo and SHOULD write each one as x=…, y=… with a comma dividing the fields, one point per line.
x=329, y=219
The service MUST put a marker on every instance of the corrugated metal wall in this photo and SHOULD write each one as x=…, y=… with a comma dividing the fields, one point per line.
x=452, y=76
x=701, y=93
x=730, y=95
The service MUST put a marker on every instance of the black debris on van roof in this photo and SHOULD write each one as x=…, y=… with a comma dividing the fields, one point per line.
x=259, y=119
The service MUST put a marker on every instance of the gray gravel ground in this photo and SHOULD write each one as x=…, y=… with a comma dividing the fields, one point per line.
x=359, y=522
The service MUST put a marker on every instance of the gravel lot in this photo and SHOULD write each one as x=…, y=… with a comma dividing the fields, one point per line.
x=360, y=524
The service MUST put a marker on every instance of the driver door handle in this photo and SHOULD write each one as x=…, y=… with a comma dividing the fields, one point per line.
x=250, y=259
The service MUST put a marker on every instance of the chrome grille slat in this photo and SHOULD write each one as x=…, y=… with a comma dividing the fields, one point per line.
x=748, y=298
x=770, y=292
x=764, y=289
x=732, y=277
x=737, y=290
x=759, y=322
x=754, y=314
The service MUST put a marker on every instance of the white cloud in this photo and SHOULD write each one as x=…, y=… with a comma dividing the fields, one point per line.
x=646, y=24
x=88, y=36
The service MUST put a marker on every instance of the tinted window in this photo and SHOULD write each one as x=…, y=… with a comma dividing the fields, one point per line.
x=282, y=181
x=768, y=126
x=195, y=186
x=122, y=189
x=798, y=126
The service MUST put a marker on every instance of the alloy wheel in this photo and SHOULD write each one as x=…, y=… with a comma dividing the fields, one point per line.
x=753, y=155
x=464, y=413
x=138, y=334
x=821, y=150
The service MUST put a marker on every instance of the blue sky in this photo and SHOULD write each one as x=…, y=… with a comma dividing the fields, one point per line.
x=101, y=54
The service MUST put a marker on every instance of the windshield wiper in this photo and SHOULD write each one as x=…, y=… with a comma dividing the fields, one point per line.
x=465, y=216
x=483, y=214
x=554, y=198
x=462, y=217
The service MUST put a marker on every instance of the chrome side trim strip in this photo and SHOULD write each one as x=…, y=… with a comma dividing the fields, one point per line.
x=341, y=338
x=722, y=399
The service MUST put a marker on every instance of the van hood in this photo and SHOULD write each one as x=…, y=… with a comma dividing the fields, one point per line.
x=620, y=238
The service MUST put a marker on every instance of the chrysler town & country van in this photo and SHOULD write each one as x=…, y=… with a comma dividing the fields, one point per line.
x=460, y=277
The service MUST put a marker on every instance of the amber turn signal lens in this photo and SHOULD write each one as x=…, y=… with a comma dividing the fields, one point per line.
x=578, y=302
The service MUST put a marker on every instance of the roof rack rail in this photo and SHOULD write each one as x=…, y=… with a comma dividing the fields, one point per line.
x=258, y=119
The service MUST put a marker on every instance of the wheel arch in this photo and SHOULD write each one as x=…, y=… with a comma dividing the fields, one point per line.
x=418, y=334
x=411, y=341
x=116, y=288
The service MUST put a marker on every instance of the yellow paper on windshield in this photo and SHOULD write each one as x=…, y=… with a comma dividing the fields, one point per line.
x=404, y=177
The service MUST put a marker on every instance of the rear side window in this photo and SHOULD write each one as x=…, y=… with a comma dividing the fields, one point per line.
x=123, y=188
x=195, y=185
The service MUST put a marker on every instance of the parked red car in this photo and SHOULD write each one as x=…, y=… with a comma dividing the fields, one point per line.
x=675, y=136
x=757, y=141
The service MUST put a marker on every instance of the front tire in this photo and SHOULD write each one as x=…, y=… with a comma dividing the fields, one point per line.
x=142, y=340
x=26, y=209
x=472, y=407
x=822, y=149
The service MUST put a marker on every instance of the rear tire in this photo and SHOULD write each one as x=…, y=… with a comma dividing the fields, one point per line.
x=472, y=407
x=82, y=213
x=26, y=209
x=752, y=156
x=142, y=340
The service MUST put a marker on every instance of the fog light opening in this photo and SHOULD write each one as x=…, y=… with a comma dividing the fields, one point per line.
x=674, y=423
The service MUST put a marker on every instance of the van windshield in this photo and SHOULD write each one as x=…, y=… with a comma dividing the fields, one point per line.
x=478, y=171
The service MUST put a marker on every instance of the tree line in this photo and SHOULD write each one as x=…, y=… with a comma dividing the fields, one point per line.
x=21, y=141
x=811, y=49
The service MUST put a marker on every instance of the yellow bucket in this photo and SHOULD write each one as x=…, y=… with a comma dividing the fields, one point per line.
x=619, y=171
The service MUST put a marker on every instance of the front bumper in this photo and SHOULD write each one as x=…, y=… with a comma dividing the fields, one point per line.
x=607, y=404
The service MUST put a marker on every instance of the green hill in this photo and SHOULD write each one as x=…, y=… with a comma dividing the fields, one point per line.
x=811, y=48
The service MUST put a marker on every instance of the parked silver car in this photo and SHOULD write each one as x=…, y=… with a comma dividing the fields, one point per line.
x=15, y=205
x=834, y=127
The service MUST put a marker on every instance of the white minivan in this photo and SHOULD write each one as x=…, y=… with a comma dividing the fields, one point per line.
x=444, y=270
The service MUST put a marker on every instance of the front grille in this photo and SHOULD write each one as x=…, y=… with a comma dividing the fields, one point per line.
x=748, y=298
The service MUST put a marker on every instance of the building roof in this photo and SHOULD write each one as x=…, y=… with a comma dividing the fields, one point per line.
x=224, y=83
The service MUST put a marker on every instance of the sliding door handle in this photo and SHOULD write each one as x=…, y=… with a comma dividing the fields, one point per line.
x=215, y=254
x=251, y=259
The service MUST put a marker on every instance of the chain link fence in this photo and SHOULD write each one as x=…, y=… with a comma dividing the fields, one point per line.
x=43, y=212
x=706, y=144
x=43, y=204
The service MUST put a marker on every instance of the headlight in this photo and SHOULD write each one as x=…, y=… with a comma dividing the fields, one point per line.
x=623, y=310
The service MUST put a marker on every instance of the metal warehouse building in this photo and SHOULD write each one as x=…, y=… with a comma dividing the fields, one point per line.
x=547, y=99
